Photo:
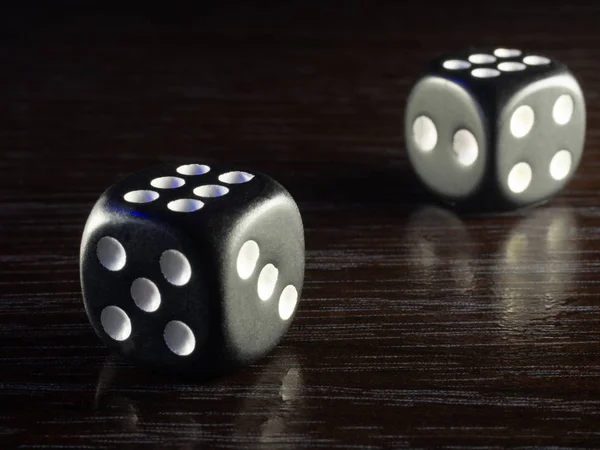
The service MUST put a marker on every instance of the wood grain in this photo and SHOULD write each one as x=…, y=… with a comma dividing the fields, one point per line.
x=418, y=328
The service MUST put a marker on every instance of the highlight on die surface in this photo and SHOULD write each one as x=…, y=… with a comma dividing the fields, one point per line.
x=495, y=128
x=192, y=268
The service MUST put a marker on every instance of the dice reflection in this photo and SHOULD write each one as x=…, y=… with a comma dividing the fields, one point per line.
x=264, y=401
x=522, y=268
x=441, y=250
x=537, y=263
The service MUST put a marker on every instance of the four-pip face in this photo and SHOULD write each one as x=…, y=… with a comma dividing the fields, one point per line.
x=193, y=268
x=495, y=128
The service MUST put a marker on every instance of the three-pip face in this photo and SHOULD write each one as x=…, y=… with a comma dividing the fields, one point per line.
x=193, y=268
x=495, y=128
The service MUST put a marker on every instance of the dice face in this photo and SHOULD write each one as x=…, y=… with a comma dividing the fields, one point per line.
x=540, y=140
x=448, y=138
x=139, y=291
x=194, y=269
x=495, y=128
x=261, y=287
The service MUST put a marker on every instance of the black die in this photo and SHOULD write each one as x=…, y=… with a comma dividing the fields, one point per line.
x=193, y=269
x=495, y=129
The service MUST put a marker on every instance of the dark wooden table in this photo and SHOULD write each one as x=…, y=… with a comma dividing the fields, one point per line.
x=417, y=328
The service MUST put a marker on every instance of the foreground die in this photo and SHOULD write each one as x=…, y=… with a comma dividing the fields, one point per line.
x=495, y=129
x=193, y=269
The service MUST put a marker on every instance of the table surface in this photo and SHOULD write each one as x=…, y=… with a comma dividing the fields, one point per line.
x=417, y=328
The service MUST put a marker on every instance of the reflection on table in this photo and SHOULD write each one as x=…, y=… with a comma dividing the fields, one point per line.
x=192, y=413
x=536, y=264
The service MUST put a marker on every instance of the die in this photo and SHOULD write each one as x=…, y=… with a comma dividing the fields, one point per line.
x=495, y=129
x=192, y=269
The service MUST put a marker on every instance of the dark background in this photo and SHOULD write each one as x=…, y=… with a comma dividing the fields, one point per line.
x=418, y=328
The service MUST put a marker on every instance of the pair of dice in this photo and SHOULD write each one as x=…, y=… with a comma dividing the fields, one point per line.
x=198, y=270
